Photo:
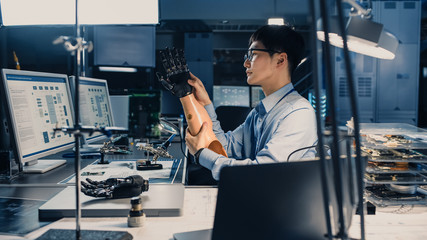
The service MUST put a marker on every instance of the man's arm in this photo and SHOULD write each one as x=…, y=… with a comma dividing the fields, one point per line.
x=295, y=131
x=202, y=97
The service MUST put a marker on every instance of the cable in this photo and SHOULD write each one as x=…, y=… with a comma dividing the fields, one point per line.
x=355, y=113
x=289, y=156
x=182, y=149
x=168, y=123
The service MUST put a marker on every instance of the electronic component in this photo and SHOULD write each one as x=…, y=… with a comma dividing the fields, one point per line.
x=383, y=196
x=136, y=217
x=402, y=178
x=159, y=151
x=389, y=155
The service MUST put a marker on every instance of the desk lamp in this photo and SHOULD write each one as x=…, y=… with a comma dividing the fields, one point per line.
x=364, y=36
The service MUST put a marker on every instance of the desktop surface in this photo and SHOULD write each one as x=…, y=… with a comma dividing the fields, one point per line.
x=267, y=201
x=39, y=188
x=198, y=213
x=161, y=200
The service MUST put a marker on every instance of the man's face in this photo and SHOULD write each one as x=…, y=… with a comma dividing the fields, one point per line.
x=259, y=65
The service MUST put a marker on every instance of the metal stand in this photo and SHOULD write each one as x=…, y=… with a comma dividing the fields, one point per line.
x=76, y=45
x=337, y=162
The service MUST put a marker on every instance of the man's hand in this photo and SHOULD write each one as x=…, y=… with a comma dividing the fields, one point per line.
x=199, y=90
x=196, y=142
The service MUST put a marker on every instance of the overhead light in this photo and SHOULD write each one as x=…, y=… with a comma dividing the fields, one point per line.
x=363, y=36
x=118, y=69
x=93, y=12
x=276, y=21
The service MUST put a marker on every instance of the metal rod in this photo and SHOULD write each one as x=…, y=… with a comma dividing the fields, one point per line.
x=77, y=124
x=335, y=147
x=319, y=121
x=84, y=55
x=354, y=108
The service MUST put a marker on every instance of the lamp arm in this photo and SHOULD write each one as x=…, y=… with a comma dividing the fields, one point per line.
x=366, y=13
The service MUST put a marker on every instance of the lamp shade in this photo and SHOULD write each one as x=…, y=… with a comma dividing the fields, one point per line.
x=363, y=36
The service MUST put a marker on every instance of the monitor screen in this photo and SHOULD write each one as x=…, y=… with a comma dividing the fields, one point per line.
x=256, y=95
x=231, y=96
x=125, y=46
x=37, y=103
x=95, y=105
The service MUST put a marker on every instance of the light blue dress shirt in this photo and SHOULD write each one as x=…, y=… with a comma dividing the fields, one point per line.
x=281, y=123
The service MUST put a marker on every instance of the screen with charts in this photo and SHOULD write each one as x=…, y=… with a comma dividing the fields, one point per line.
x=95, y=106
x=38, y=103
x=231, y=96
x=256, y=95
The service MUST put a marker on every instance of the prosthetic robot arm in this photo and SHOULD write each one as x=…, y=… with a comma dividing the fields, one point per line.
x=115, y=187
x=177, y=75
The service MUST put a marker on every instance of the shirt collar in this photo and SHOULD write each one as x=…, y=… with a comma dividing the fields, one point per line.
x=270, y=101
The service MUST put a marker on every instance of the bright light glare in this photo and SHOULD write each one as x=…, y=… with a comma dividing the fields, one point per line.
x=41, y=12
x=97, y=12
x=276, y=21
x=118, y=69
x=357, y=45
x=94, y=12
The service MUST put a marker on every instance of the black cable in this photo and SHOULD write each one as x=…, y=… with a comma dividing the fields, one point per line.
x=320, y=123
x=354, y=108
x=289, y=156
x=182, y=149
x=179, y=134
x=338, y=186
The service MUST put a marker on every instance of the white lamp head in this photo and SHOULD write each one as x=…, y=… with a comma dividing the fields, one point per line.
x=363, y=36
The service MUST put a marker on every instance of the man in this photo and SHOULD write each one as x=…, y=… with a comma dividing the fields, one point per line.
x=280, y=125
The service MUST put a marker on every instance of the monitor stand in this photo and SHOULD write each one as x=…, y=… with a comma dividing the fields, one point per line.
x=42, y=166
x=90, y=148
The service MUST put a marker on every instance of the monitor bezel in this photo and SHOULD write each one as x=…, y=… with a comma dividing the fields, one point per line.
x=96, y=136
x=10, y=115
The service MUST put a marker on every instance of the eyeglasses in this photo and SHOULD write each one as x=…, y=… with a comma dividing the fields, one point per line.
x=250, y=54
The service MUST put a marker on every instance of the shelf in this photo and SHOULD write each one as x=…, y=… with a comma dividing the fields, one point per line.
x=395, y=178
x=395, y=167
x=395, y=155
x=383, y=197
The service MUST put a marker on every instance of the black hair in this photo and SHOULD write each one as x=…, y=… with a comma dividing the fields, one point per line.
x=281, y=38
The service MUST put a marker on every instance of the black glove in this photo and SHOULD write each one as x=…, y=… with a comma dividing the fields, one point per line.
x=177, y=73
x=115, y=187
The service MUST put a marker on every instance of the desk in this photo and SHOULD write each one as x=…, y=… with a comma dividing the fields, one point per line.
x=199, y=209
x=32, y=190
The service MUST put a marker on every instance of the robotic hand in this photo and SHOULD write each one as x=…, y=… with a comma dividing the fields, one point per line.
x=177, y=73
x=115, y=187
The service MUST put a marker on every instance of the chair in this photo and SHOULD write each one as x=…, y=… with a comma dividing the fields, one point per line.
x=231, y=117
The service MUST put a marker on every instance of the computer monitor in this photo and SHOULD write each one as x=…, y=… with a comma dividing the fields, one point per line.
x=95, y=106
x=231, y=96
x=36, y=104
x=256, y=95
